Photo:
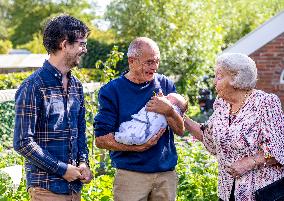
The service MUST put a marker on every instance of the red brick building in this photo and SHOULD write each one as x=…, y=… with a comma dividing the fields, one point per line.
x=265, y=46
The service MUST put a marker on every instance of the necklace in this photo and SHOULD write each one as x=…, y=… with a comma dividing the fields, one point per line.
x=241, y=105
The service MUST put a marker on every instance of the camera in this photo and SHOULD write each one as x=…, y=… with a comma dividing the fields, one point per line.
x=205, y=97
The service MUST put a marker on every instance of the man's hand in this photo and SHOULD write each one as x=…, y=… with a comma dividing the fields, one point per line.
x=160, y=104
x=87, y=175
x=72, y=173
x=153, y=141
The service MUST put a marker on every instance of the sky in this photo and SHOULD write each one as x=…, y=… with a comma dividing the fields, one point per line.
x=101, y=7
x=102, y=4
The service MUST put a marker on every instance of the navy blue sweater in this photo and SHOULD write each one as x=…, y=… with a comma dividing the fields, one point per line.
x=118, y=100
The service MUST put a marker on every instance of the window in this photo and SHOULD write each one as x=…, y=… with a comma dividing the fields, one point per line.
x=282, y=77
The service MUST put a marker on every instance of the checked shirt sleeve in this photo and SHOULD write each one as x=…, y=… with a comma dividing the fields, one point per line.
x=28, y=103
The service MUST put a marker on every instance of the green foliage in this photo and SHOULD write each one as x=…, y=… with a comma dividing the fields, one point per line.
x=190, y=33
x=100, y=189
x=245, y=16
x=7, y=114
x=107, y=37
x=5, y=46
x=10, y=158
x=4, y=19
x=105, y=71
x=109, y=66
x=21, y=193
x=12, y=80
x=197, y=172
x=99, y=51
x=35, y=45
x=6, y=190
x=28, y=17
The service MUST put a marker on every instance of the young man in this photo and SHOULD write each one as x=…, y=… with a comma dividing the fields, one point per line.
x=144, y=172
x=50, y=117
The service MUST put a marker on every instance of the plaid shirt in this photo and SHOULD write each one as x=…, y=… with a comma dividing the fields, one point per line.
x=50, y=129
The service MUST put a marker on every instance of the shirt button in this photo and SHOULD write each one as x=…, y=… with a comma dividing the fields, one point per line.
x=55, y=75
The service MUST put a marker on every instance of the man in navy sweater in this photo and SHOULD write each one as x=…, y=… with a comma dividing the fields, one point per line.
x=144, y=172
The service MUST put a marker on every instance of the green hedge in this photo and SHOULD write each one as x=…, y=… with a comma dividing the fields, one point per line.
x=14, y=80
x=7, y=115
x=100, y=51
x=197, y=172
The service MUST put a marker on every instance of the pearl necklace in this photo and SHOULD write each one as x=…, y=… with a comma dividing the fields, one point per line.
x=242, y=103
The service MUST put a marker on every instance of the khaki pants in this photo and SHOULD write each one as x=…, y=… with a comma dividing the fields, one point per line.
x=41, y=194
x=136, y=186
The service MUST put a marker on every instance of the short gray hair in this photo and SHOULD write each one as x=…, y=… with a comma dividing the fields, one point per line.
x=242, y=66
x=135, y=47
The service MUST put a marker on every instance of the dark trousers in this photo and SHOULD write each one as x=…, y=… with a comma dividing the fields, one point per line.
x=232, y=196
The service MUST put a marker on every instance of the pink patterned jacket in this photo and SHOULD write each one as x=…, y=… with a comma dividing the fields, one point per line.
x=259, y=125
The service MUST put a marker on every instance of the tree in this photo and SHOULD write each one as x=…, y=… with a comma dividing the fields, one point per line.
x=190, y=33
x=5, y=46
x=35, y=45
x=28, y=17
x=4, y=17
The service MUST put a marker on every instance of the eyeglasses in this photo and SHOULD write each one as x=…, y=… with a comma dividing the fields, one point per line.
x=150, y=62
x=82, y=43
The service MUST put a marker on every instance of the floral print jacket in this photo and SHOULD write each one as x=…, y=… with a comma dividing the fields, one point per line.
x=259, y=125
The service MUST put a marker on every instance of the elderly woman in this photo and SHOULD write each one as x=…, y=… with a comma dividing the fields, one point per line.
x=245, y=132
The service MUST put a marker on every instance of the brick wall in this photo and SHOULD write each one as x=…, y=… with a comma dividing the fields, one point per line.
x=270, y=63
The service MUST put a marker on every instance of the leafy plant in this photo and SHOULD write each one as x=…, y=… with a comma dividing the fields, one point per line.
x=197, y=172
x=6, y=190
x=7, y=114
x=5, y=46
x=13, y=80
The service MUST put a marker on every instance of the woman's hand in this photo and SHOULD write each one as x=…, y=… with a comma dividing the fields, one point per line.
x=240, y=167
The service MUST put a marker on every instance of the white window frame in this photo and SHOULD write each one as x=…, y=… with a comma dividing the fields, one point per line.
x=282, y=77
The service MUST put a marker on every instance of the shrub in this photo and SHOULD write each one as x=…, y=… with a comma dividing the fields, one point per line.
x=100, y=51
x=7, y=114
x=12, y=80
x=35, y=45
x=197, y=172
x=6, y=190
x=5, y=46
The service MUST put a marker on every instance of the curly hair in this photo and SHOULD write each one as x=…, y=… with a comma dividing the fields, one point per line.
x=63, y=27
x=243, y=68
